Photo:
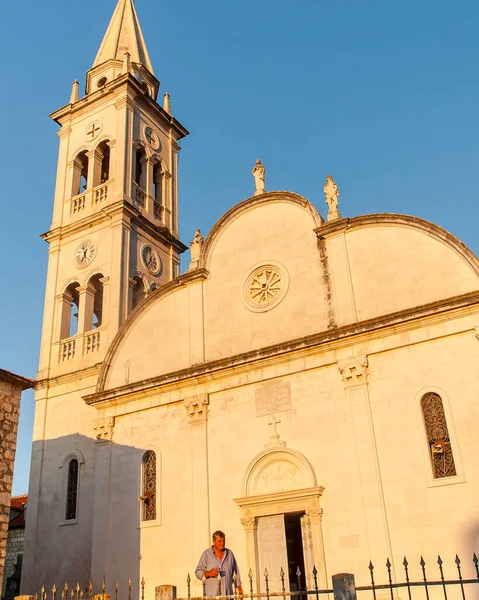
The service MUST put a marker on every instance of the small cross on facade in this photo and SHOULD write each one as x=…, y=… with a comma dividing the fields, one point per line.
x=274, y=422
x=93, y=130
x=150, y=137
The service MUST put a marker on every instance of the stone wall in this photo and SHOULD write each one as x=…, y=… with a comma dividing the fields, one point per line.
x=11, y=387
x=9, y=412
x=15, y=542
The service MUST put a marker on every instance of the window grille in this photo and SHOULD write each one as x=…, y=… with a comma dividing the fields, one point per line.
x=442, y=458
x=72, y=490
x=149, y=486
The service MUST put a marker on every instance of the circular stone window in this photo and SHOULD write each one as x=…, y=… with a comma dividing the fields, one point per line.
x=265, y=286
x=101, y=82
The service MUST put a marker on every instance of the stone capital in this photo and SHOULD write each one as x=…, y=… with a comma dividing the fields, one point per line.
x=354, y=370
x=315, y=515
x=197, y=408
x=104, y=429
x=250, y=523
x=86, y=289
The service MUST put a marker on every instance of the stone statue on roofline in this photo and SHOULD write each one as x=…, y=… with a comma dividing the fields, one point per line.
x=258, y=174
x=331, y=192
x=195, y=249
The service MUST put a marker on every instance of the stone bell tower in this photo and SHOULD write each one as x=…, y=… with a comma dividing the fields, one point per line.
x=114, y=233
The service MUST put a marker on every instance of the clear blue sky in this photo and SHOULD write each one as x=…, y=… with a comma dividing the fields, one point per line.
x=382, y=94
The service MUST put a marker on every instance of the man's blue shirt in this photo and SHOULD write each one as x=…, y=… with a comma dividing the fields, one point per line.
x=227, y=567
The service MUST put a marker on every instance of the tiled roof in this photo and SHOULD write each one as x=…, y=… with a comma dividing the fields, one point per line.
x=17, y=502
x=18, y=380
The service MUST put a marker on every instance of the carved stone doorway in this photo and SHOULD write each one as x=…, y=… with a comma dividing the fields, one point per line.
x=281, y=499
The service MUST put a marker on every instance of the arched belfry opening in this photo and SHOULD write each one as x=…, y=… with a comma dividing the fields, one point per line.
x=282, y=519
x=80, y=173
x=70, y=308
x=138, y=290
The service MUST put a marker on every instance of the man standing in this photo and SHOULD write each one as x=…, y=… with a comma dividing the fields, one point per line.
x=218, y=560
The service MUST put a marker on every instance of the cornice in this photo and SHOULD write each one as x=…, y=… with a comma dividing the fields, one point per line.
x=110, y=211
x=344, y=225
x=399, y=322
x=72, y=376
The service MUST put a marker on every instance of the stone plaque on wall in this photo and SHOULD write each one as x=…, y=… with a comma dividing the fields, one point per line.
x=273, y=399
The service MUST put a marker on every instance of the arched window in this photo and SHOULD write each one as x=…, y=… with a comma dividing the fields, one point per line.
x=97, y=313
x=148, y=492
x=72, y=490
x=104, y=150
x=139, y=175
x=138, y=291
x=70, y=308
x=80, y=173
x=442, y=458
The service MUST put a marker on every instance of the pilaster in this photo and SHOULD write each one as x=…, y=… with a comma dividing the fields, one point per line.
x=197, y=414
x=250, y=525
x=354, y=372
x=86, y=303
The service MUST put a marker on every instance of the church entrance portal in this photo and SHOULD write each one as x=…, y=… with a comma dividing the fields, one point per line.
x=281, y=516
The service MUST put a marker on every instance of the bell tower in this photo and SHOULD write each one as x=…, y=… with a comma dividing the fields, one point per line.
x=114, y=233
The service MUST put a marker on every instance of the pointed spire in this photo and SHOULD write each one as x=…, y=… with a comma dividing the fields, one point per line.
x=74, y=94
x=124, y=35
x=166, y=103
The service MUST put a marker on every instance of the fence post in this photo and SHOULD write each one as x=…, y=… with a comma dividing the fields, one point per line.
x=165, y=592
x=344, y=587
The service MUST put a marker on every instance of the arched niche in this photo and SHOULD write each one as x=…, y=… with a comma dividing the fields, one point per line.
x=278, y=470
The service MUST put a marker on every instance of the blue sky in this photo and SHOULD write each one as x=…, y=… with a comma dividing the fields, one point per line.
x=382, y=94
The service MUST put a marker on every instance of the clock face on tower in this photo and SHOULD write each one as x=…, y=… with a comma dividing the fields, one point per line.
x=85, y=253
x=151, y=259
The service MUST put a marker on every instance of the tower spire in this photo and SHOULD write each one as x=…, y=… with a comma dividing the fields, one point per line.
x=124, y=35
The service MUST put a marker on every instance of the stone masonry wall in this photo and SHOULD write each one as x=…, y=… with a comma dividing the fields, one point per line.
x=15, y=542
x=9, y=412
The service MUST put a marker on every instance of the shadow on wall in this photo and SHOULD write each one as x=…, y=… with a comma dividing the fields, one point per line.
x=83, y=516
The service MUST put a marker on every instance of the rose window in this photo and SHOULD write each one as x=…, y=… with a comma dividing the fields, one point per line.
x=265, y=287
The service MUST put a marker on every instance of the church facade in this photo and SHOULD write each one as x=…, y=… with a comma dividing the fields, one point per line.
x=309, y=386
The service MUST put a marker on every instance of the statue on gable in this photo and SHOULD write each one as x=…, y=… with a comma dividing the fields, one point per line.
x=331, y=192
x=195, y=249
x=258, y=174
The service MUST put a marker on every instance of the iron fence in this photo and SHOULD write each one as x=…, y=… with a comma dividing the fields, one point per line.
x=390, y=589
x=87, y=593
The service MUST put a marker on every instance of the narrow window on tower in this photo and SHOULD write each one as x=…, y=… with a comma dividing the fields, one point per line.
x=157, y=191
x=72, y=490
x=139, y=175
x=440, y=450
x=148, y=492
x=104, y=149
x=96, y=315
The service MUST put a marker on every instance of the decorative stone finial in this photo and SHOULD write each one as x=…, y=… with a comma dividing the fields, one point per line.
x=195, y=249
x=258, y=174
x=166, y=103
x=74, y=94
x=331, y=192
x=126, y=63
